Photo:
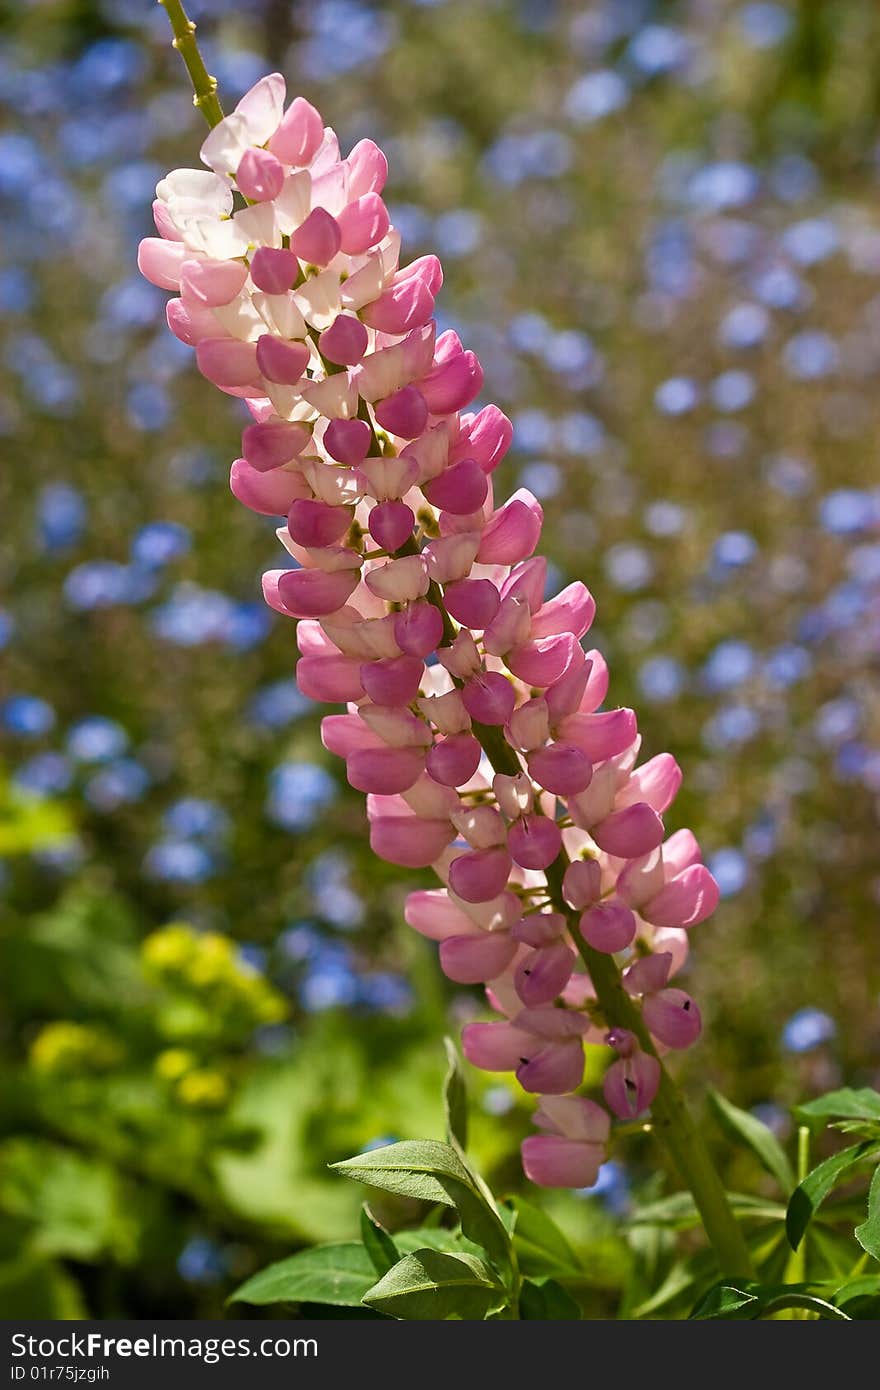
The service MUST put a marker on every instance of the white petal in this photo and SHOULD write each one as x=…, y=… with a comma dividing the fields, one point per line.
x=335, y=396
x=204, y=190
x=221, y=240
x=365, y=285
x=241, y=319
x=319, y=300
x=293, y=204
x=225, y=145
x=262, y=108
x=258, y=225
x=328, y=153
x=330, y=189
x=280, y=314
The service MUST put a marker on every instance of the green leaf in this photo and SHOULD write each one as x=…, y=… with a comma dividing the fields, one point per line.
x=678, y=1212
x=434, y=1237
x=811, y=1193
x=378, y=1244
x=541, y=1247
x=863, y=1291
x=434, y=1172
x=430, y=1284
x=748, y=1301
x=868, y=1234
x=545, y=1300
x=338, y=1274
x=455, y=1097
x=762, y=1141
x=845, y=1104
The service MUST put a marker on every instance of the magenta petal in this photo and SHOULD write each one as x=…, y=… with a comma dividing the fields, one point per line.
x=281, y=361
x=630, y=833
x=551, y=1161
x=539, y=928
x=553, y=1070
x=318, y=239
x=409, y=841
x=480, y=875
x=333, y=680
x=312, y=523
x=672, y=1017
x=608, y=927
x=270, y=494
x=347, y=441
x=471, y=960
x=461, y=488
x=495, y=1046
x=273, y=443
x=561, y=768
x=489, y=698
x=542, y=975
x=314, y=594
x=631, y=1083
x=454, y=760
x=385, y=771
x=392, y=681
x=582, y=884
x=273, y=270
x=534, y=841
x=685, y=900
x=473, y=602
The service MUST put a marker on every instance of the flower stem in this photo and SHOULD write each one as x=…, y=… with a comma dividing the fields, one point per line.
x=204, y=85
x=671, y=1119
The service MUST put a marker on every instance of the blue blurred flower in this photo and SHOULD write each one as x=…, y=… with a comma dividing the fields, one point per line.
x=731, y=663
x=744, y=326
x=763, y=24
x=96, y=739
x=595, y=95
x=278, y=704
x=612, y=1187
x=731, y=868
x=121, y=782
x=46, y=774
x=106, y=584
x=159, y=542
x=661, y=678
x=733, y=390
x=677, y=396
x=195, y=818
x=179, y=861
x=61, y=514
x=807, y=1029
x=28, y=716
x=298, y=793
x=810, y=355
x=848, y=510
x=734, y=549
x=202, y=1261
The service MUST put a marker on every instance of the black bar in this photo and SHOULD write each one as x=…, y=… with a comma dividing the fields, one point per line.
x=128, y=1355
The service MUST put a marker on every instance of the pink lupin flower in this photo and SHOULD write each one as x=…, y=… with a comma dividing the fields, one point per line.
x=421, y=609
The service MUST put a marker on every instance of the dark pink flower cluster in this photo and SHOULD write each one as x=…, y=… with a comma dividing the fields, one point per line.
x=422, y=608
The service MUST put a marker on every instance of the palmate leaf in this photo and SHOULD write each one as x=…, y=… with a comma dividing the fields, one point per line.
x=761, y=1140
x=748, y=1301
x=336, y=1274
x=434, y=1172
x=430, y=1284
x=809, y=1194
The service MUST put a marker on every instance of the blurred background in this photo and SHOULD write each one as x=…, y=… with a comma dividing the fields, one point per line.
x=660, y=229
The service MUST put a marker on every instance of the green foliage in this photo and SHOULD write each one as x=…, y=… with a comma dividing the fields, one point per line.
x=336, y=1274
x=431, y=1284
x=749, y=1301
x=762, y=1142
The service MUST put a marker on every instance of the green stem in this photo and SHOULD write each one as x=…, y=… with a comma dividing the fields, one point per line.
x=671, y=1119
x=204, y=85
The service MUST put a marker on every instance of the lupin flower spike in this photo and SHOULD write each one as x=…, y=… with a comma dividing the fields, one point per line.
x=473, y=720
